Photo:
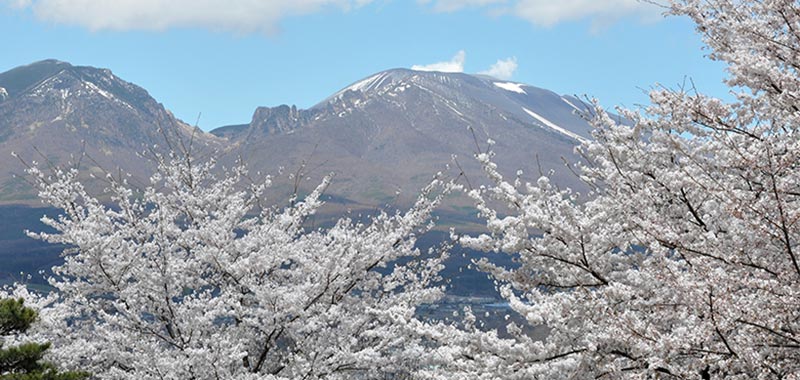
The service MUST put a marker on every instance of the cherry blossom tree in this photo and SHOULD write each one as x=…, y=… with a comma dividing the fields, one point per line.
x=192, y=278
x=684, y=261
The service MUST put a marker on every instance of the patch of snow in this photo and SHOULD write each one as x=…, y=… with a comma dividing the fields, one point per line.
x=446, y=101
x=366, y=84
x=573, y=105
x=98, y=90
x=3, y=94
x=93, y=88
x=554, y=127
x=359, y=86
x=443, y=78
x=45, y=86
x=377, y=82
x=513, y=87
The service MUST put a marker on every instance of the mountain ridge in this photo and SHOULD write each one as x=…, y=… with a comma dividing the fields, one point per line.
x=57, y=112
x=385, y=136
x=284, y=117
x=419, y=119
x=362, y=132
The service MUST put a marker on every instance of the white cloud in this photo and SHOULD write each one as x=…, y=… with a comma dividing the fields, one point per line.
x=245, y=16
x=232, y=15
x=16, y=4
x=502, y=69
x=455, y=65
x=455, y=5
x=546, y=13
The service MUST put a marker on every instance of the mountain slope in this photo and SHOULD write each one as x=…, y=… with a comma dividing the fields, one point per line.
x=54, y=111
x=394, y=130
x=386, y=134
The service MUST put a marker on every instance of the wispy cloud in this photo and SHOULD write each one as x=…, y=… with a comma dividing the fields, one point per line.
x=502, y=69
x=246, y=16
x=454, y=65
x=17, y=4
x=231, y=15
x=455, y=5
x=549, y=12
x=546, y=13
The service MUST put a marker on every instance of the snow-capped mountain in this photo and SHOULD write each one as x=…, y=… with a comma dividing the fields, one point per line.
x=393, y=130
x=58, y=110
x=384, y=136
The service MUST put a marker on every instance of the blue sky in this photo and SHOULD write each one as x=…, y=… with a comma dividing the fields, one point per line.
x=225, y=58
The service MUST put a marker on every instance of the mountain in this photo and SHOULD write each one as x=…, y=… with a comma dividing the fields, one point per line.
x=54, y=111
x=394, y=130
x=384, y=136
